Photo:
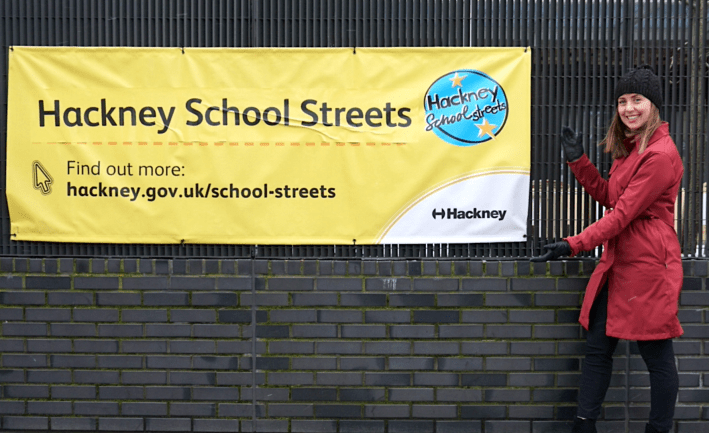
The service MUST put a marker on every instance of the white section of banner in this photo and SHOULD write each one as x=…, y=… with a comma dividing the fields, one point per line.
x=471, y=209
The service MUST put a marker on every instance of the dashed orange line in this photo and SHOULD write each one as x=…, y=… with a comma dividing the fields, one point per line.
x=230, y=143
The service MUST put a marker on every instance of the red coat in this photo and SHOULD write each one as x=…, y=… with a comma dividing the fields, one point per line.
x=641, y=254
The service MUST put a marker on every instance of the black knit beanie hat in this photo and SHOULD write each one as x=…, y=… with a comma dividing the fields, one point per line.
x=641, y=80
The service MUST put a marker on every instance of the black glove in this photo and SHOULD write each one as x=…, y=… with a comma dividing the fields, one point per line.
x=554, y=251
x=571, y=143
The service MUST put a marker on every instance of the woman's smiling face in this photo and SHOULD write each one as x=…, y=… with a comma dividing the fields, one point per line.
x=634, y=110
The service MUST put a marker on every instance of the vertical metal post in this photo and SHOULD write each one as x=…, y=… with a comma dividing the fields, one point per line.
x=628, y=61
x=253, y=338
x=627, y=386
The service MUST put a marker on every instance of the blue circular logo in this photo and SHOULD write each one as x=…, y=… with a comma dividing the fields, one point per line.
x=465, y=108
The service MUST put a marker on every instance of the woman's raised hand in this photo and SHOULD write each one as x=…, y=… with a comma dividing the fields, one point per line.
x=571, y=143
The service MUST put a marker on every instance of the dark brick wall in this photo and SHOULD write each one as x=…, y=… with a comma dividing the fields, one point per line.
x=340, y=346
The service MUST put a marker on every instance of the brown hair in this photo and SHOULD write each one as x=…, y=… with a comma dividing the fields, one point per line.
x=618, y=132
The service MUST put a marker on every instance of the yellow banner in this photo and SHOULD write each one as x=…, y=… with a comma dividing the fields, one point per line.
x=268, y=146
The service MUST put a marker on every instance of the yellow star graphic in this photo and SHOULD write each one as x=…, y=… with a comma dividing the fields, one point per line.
x=457, y=81
x=486, y=128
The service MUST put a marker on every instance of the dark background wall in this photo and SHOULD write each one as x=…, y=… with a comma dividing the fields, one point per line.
x=340, y=346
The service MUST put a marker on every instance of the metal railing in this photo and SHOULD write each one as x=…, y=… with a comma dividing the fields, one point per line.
x=579, y=48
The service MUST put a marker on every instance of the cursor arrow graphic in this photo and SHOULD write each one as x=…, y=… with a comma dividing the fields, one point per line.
x=41, y=178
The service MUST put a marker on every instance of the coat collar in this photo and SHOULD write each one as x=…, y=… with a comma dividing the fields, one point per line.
x=662, y=131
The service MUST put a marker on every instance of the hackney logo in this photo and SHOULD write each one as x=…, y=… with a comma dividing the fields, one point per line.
x=465, y=108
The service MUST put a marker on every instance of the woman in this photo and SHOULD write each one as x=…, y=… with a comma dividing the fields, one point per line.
x=633, y=293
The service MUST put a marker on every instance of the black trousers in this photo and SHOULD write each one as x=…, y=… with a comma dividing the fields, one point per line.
x=598, y=365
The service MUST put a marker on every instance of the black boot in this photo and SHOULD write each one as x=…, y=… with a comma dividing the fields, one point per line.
x=584, y=426
x=651, y=429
